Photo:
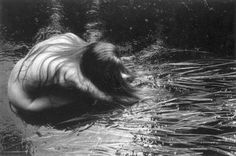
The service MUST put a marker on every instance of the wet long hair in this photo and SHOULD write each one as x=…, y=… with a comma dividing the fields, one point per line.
x=99, y=68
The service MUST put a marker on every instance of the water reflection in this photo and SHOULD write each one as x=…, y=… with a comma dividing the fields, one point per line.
x=191, y=111
x=38, y=133
x=10, y=51
x=11, y=128
x=192, y=106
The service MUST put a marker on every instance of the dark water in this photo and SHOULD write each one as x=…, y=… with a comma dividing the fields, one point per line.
x=189, y=110
x=189, y=106
x=17, y=137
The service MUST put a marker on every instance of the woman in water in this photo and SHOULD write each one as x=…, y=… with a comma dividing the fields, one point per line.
x=64, y=70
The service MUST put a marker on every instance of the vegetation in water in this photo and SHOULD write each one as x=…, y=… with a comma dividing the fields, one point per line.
x=178, y=51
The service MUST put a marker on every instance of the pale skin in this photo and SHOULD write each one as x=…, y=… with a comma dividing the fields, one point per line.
x=20, y=88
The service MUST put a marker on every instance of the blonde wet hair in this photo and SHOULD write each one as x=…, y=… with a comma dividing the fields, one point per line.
x=98, y=68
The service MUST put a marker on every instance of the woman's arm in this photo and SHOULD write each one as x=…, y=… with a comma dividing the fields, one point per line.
x=21, y=100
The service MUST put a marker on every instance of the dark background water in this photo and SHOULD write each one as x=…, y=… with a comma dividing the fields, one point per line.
x=191, y=24
x=175, y=36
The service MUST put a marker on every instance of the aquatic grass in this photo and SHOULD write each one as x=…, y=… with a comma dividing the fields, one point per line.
x=202, y=107
x=188, y=109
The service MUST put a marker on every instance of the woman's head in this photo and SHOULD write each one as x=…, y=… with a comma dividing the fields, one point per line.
x=101, y=65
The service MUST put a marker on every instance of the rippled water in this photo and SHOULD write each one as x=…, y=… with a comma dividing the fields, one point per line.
x=189, y=107
x=89, y=136
x=189, y=110
x=11, y=127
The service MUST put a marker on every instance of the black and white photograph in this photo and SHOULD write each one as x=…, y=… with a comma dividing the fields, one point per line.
x=117, y=78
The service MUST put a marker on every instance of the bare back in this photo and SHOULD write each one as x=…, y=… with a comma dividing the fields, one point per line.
x=36, y=76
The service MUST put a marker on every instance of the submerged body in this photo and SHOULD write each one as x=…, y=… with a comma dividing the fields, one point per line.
x=60, y=70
